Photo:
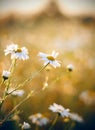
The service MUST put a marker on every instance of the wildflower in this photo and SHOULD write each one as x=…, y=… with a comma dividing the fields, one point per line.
x=26, y=125
x=11, y=49
x=5, y=74
x=88, y=97
x=16, y=52
x=18, y=93
x=76, y=117
x=39, y=119
x=70, y=67
x=50, y=58
x=59, y=109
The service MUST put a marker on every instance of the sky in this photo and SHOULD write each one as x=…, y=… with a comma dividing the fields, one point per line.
x=67, y=7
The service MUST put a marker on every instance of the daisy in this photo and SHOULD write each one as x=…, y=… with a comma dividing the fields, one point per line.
x=87, y=97
x=6, y=74
x=39, y=119
x=26, y=125
x=11, y=49
x=70, y=67
x=18, y=93
x=76, y=117
x=16, y=52
x=59, y=109
x=50, y=58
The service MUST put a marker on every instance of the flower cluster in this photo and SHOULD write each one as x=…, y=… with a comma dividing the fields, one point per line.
x=38, y=119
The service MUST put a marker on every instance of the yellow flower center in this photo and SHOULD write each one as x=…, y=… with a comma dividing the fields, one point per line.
x=18, y=50
x=50, y=58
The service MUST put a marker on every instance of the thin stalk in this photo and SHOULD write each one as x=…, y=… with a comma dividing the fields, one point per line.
x=54, y=122
x=12, y=67
x=22, y=84
x=11, y=112
x=72, y=125
x=30, y=78
x=1, y=82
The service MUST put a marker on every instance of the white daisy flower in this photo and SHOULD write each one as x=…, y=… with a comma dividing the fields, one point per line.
x=20, y=53
x=50, y=58
x=18, y=93
x=10, y=49
x=70, y=67
x=59, y=109
x=76, y=117
x=26, y=125
x=16, y=52
x=39, y=119
x=6, y=74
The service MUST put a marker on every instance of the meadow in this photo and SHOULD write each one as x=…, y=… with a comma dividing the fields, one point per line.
x=73, y=88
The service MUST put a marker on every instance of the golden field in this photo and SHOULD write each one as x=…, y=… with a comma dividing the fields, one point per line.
x=74, y=39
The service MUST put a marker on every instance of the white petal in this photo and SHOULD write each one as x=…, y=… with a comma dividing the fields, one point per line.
x=42, y=54
x=54, y=54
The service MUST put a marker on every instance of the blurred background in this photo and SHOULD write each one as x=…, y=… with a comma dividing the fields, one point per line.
x=66, y=26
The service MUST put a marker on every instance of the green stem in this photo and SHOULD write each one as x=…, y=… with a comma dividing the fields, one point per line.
x=54, y=122
x=11, y=69
x=8, y=82
x=29, y=79
x=11, y=112
x=72, y=125
x=2, y=82
x=22, y=84
x=15, y=103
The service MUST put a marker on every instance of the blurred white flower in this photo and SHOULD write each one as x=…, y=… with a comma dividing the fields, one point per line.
x=26, y=125
x=39, y=119
x=70, y=67
x=50, y=58
x=88, y=97
x=76, y=117
x=59, y=109
x=18, y=93
x=16, y=52
x=6, y=74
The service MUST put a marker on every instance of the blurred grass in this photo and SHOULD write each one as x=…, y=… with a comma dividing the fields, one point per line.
x=74, y=39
